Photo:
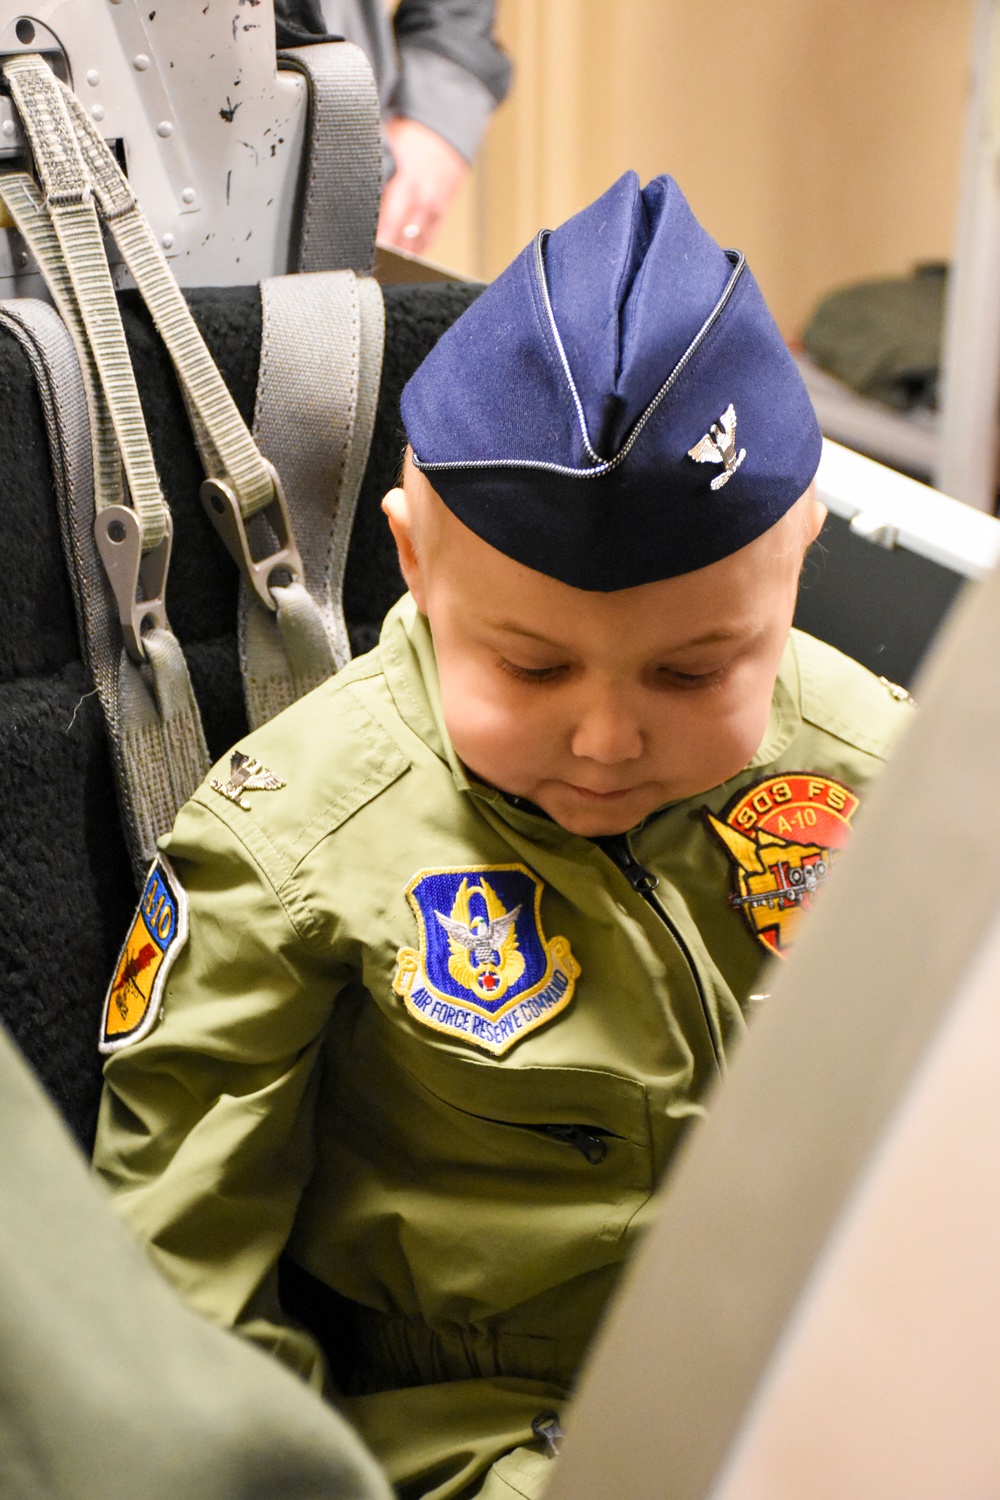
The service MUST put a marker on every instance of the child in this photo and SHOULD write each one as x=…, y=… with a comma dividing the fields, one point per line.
x=456, y=944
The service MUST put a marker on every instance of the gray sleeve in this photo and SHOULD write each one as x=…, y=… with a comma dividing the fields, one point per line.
x=443, y=96
x=455, y=101
x=461, y=30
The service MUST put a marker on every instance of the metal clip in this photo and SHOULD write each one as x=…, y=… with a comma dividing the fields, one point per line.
x=224, y=512
x=547, y=1427
x=138, y=580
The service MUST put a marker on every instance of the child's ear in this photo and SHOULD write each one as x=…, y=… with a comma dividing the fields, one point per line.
x=816, y=518
x=396, y=507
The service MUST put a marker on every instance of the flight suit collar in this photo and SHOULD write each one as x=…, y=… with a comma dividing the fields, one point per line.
x=410, y=667
x=786, y=714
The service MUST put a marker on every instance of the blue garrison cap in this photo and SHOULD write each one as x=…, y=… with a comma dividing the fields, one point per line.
x=618, y=406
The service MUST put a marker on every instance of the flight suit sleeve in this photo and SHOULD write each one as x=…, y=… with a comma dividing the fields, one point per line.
x=206, y=1124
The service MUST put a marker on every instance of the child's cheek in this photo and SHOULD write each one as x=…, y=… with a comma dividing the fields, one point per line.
x=488, y=733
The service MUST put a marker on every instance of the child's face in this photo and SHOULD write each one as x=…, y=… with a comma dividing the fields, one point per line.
x=597, y=707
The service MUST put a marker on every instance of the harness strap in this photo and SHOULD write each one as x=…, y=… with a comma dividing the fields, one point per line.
x=297, y=638
x=26, y=207
x=63, y=174
x=321, y=358
x=342, y=184
x=157, y=745
x=92, y=405
x=226, y=447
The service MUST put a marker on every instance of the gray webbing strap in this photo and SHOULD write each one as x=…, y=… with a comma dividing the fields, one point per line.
x=152, y=717
x=292, y=629
x=25, y=204
x=343, y=174
x=226, y=447
x=297, y=639
x=157, y=744
x=69, y=201
x=320, y=367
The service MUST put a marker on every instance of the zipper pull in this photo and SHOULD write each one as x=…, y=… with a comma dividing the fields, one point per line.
x=547, y=1427
x=589, y=1144
x=638, y=877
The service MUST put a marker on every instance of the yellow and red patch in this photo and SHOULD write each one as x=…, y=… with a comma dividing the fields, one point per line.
x=782, y=836
x=154, y=939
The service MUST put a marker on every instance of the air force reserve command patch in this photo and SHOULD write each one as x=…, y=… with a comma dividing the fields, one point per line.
x=484, y=971
x=782, y=835
x=156, y=936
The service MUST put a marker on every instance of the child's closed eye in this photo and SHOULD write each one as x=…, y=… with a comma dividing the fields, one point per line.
x=530, y=674
x=675, y=678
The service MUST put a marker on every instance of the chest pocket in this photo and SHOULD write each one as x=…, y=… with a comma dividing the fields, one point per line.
x=510, y=1180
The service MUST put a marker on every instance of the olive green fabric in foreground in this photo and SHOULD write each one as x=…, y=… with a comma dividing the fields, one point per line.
x=289, y=1099
x=109, y=1386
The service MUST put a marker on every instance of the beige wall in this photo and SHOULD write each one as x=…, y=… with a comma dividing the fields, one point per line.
x=822, y=137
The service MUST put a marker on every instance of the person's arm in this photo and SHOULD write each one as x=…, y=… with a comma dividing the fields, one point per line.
x=205, y=1135
x=452, y=75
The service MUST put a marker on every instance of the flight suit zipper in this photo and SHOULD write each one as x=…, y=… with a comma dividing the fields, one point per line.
x=619, y=851
x=588, y=1140
x=590, y=1143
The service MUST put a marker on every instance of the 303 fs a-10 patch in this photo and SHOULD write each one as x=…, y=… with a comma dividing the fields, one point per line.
x=156, y=936
x=484, y=971
x=782, y=835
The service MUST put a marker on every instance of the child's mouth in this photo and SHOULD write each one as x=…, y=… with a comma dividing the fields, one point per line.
x=592, y=796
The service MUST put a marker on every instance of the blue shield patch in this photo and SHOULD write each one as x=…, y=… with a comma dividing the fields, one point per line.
x=484, y=969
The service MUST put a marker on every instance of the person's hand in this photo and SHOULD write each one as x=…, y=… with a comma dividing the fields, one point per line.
x=428, y=174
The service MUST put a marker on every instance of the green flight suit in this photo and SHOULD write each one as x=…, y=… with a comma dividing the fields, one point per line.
x=471, y=1208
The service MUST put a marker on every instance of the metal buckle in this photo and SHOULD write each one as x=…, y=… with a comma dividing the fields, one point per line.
x=224, y=512
x=138, y=580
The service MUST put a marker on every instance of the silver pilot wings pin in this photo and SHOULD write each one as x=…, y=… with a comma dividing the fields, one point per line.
x=718, y=446
x=246, y=774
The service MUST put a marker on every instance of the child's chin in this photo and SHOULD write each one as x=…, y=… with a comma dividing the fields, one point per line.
x=598, y=820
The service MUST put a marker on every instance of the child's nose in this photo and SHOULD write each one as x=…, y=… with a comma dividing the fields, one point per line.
x=608, y=734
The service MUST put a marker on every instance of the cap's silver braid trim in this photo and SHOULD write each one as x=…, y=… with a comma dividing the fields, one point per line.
x=601, y=466
x=543, y=283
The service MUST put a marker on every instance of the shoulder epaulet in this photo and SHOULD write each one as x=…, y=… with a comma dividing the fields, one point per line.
x=841, y=697
x=298, y=777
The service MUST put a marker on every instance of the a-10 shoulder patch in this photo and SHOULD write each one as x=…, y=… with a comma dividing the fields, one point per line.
x=156, y=936
x=782, y=835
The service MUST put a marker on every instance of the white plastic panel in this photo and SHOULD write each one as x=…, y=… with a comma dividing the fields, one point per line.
x=892, y=510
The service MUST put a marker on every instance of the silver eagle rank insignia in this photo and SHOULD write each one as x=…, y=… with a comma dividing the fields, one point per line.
x=246, y=774
x=718, y=446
